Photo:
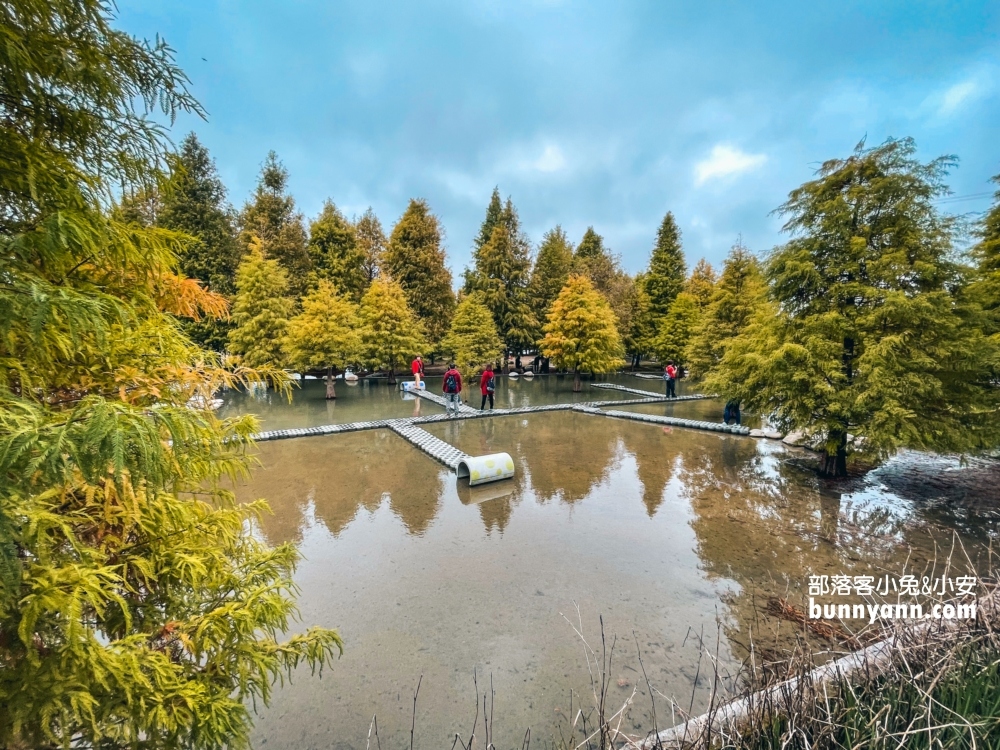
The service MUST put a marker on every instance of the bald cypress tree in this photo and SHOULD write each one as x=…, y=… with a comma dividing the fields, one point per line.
x=271, y=217
x=987, y=255
x=261, y=310
x=472, y=339
x=591, y=246
x=371, y=241
x=501, y=277
x=701, y=283
x=390, y=332
x=986, y=290
x=664, y=279
x=736, y=297
x=138, y=606
x=870, y=331
x=553, y=265
x=416, y=261
x=335, y=252
x=581, y=332
x=194, y=201
x=595, y=261
x=494, y=216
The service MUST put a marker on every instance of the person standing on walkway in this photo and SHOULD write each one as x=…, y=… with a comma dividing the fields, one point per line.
x=670, y=375
x=417, y=368
x=732, y=412
x=453, y=389
x=487, y=385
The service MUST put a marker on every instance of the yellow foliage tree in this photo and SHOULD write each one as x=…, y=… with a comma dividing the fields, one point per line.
x=390, y=332
x=324, y=335
x=472, y=339
x=582, y=332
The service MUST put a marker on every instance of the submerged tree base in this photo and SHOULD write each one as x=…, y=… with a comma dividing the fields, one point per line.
x=834, y=466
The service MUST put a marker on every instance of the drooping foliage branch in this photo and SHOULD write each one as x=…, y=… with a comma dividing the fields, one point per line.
x=136, y=608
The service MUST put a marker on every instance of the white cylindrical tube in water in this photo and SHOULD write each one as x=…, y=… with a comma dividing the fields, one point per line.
x=489, y=468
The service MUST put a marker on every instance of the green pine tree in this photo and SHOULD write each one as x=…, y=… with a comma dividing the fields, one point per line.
x=390, y=332
x=665, y=278
x=553, y=265
x=472, y=339
x=417, y=262
x=325, y=335
x=261, y=310
x=582, y=331
x=371, y=241
x=138, y=608
x=738, y=294
x=270, y=216
x=336, y=254
x=870, y=332
x=194, y=201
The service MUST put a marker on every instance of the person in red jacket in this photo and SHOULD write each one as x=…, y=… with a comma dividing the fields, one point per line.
x=452, y=388
x=417, y=368
x=670, y=375
x=487, y=385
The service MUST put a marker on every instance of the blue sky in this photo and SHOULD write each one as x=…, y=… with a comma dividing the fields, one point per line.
x=585, y=113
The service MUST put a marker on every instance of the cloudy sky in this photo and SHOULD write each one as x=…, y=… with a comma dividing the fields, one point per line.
x=585, y=113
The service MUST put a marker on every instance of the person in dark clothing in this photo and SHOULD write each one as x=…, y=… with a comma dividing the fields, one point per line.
x=487, y=386
x=452, y=388
x=670, y=375
x=732, y=412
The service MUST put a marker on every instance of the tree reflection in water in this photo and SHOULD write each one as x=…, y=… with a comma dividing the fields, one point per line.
x=339, y=474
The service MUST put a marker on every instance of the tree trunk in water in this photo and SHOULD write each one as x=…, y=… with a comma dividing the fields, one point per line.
x=331, y=392
x=835, y=464
x=577, y=385
x=392, y=376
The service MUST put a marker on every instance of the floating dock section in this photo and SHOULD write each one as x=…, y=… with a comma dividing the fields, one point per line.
x=691, y=424
x=434, y=447
x=649, y=394
x=477, y=469
x=442, y=401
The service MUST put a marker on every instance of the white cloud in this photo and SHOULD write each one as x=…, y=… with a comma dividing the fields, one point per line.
x=551, y=160
x=957, y=95
x=726, y=161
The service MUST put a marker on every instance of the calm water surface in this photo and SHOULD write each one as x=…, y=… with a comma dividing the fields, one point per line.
x=675, y=538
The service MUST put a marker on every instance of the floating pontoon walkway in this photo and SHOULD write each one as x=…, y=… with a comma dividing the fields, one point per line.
x=690, y=424
x=442, y=401
x=434, y=447
x=651, y=395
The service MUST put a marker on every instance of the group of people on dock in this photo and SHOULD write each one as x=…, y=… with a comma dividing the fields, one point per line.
x=451, y=385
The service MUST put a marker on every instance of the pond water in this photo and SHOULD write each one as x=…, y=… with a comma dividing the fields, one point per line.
x=675, y=538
